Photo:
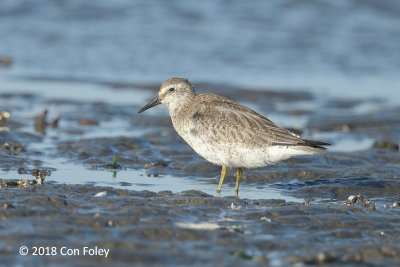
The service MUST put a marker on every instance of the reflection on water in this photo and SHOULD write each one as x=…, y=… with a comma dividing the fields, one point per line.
x=140, y=180
x=345, y=142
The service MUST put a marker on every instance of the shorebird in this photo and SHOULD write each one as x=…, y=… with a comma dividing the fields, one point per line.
x=226, y=133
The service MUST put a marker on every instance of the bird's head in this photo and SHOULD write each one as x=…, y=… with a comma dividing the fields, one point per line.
x=173, y=92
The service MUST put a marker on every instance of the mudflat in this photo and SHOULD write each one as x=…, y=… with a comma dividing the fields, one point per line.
x=122, y=188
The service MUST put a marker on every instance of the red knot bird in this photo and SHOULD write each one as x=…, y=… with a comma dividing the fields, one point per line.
x=226, y=133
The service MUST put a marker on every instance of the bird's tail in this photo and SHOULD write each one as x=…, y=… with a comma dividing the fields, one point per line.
x=316, y=144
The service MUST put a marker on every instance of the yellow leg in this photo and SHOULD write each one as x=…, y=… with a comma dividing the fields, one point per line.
x=221, y=179
x=239, y=175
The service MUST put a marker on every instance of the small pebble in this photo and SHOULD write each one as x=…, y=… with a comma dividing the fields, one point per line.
x=234, y=207
x=4, y=115
x=352, y=198
x=265, y=219
x=307, y=202
x=386, y=145
x=101, y=194
x=7, y=206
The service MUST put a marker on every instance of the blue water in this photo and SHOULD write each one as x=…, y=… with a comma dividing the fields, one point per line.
x=341, y=48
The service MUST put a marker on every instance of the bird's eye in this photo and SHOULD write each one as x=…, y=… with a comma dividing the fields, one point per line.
x=171, y=89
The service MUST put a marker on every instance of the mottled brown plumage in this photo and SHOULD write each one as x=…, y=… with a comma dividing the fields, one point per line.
x=227, y=133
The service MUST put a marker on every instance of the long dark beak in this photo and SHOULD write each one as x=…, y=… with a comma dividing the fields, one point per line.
x=152, y=103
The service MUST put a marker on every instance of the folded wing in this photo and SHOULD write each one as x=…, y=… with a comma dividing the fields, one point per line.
x=227, y=121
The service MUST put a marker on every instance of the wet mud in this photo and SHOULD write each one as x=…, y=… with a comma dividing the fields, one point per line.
x=336, y=208
x=192, y=227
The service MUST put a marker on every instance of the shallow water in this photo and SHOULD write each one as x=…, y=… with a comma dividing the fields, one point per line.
x=328, y=71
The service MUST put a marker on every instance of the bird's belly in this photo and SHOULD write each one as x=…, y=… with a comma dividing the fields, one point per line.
x=232, y=155
x=239, y=155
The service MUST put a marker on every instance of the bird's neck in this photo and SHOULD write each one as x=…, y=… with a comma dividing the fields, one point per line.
x=178, y=108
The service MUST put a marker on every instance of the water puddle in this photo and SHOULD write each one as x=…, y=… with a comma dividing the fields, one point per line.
x=69, y=173
x=345, y=142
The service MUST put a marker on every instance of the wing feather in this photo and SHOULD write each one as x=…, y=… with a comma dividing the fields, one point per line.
x=224, y=120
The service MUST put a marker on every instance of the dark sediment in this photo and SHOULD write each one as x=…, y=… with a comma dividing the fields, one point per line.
x=192, y=228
